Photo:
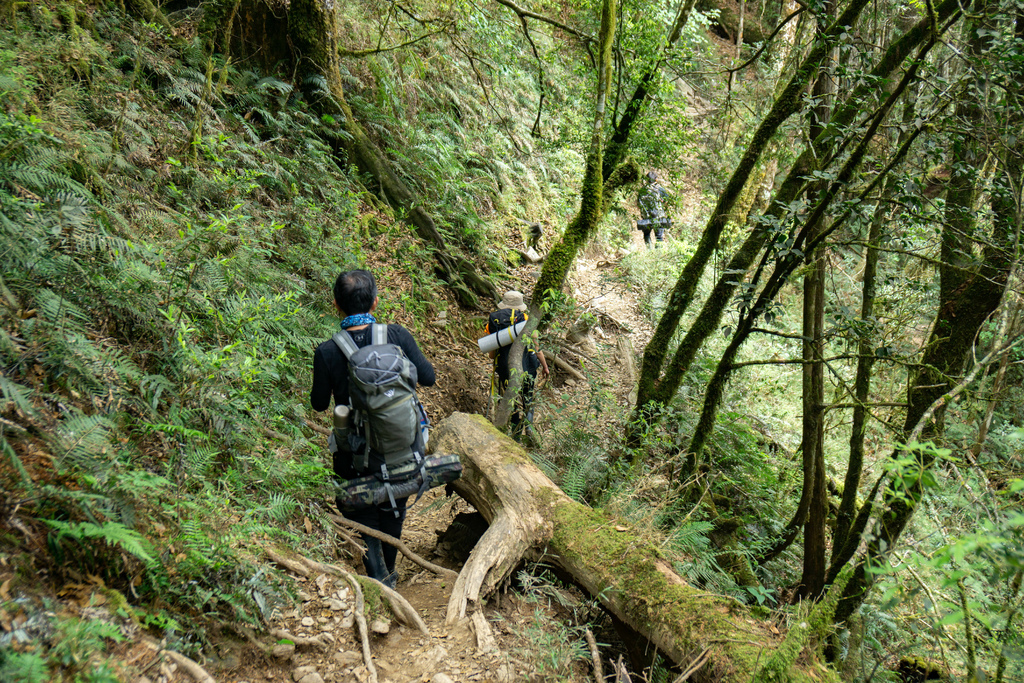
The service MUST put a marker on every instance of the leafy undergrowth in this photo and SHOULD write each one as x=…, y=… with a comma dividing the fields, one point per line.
x=159, y=302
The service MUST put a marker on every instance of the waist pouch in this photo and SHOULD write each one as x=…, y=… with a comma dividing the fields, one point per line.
x=371, y=490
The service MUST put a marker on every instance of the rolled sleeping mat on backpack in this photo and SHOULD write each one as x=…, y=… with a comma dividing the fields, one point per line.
x=364, y=492
x=505, y=337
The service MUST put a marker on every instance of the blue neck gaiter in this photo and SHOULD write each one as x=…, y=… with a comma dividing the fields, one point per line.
x=357, y=320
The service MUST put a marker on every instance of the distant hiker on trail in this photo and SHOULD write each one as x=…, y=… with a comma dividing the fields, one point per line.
x=512, y=310
x=536, y=232
x=355, y=298
x=651, y=200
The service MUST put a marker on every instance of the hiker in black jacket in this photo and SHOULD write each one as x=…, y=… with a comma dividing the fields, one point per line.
x=355, y=298
x=650, y=200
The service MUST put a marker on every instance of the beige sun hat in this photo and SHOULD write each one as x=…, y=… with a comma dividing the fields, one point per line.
x=513, y=299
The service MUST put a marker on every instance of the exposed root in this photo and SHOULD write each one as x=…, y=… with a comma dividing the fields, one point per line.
x=300, y=641
x=570, y=369
x=595, y=656
x=295, y=565
x=391, y=540
x=191, y=668
x=402, y=609
x=364, y=632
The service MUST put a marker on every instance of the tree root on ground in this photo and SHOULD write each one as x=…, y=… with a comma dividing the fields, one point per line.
x=364, y=634
x=391, y=540
x=570, y=369
x=303, y=566
x=194, y=670
x=300, y=641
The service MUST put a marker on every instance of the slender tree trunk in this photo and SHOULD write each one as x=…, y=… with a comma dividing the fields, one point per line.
x=562, y=255
x=812, y=582
x=862, y=381
x=865, y=358
x=660, y=392
x=967, y=296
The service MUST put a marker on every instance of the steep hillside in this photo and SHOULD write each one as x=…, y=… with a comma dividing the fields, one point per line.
x=172, y=220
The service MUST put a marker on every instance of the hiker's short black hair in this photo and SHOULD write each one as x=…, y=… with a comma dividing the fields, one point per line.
x=355, y=291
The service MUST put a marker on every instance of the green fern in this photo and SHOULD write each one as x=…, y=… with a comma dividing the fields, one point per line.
x=691, y=538
x=110, y=533
x=18, y=395
x=42, y=181
x=280, y=506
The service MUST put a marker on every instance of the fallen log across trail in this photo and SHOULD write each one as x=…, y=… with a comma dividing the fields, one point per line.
x=531, y=518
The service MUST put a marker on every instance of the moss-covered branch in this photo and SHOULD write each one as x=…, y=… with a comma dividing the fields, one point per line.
x=784, y=106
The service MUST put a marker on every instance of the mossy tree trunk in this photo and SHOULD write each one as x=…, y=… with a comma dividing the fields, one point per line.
x=810, y=236
x=592, y=199
x=657, y=391
x=782, y=108
x=313, y=32
x=969, y=292
x=617, y=146
x=531, y=518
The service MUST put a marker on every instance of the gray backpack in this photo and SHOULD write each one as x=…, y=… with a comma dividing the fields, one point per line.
x=386, y=411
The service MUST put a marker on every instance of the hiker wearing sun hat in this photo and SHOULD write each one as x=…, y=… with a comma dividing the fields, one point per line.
x=512, y=310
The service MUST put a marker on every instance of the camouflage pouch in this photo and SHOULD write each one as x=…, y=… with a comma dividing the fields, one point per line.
x=364, y=492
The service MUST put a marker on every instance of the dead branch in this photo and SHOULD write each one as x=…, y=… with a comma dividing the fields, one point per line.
x=595, y=656
x=318, y=429
x=694, y=666
x=392, y=541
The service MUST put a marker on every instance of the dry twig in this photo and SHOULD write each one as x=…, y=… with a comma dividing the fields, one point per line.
x=391, y=540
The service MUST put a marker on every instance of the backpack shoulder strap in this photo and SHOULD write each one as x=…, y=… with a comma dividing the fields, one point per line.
x=344, y=341
x=378, y=334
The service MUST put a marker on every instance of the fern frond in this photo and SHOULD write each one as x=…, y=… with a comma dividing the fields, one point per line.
x=18, y=395
x=271, y=84
x=42, y=181
x=280, y=506
x=111, y=533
